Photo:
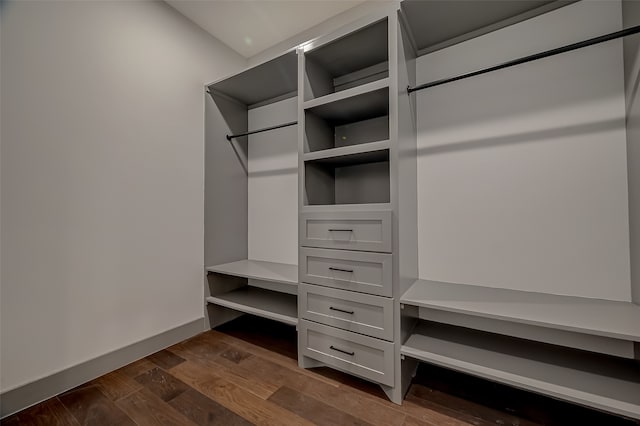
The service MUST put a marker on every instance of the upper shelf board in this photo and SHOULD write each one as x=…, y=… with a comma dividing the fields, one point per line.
x=356, y=104
x=260, y=270
x=351, y=154
x=270, y=80
x=358, y=50
x=620, y=320
x=437, y=24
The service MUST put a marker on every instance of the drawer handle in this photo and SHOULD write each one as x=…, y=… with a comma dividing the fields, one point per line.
x=340, y=269
x=340, y=310
x=343, y=351
x=340, y=230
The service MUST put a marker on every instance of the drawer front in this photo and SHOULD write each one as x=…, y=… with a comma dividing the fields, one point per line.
x=350, y=270
x=353, y=353
x=361, y=313
x=367, y=231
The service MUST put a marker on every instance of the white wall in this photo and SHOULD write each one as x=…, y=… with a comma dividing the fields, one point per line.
x=273, y=184
x=522, y=172
x=631, y=17
x=102, y=178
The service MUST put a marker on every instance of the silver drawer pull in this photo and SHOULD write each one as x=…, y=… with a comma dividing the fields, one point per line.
x=343, y=351
x=340, y=230
x=340, y=310
x=340, y=269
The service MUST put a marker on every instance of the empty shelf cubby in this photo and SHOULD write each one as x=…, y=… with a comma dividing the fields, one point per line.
x=359, y=178
x=352, y=60
x=352, y=120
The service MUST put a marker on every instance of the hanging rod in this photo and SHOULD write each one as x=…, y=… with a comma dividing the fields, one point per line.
x=293, y=123
x=525, y=59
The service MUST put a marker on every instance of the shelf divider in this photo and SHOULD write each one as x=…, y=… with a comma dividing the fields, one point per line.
x=348, y=93
x=344, y=151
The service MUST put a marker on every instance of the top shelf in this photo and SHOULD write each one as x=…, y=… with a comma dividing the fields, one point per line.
x=359, y=57
x=249, y=88
x=437, y=24
x=620, y=320
x=358, y=50
x=266, y=271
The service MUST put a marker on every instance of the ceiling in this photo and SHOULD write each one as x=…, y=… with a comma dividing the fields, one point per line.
x=251, y=26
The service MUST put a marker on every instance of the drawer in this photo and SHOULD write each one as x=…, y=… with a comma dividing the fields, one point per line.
x=349, y=270
x=357, y=312
x=353, y=353
x=367, y=230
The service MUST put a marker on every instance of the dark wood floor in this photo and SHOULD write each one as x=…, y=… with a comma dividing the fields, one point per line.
x=246, y=373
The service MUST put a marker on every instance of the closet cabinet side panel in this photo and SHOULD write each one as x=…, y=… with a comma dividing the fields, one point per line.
x=407, y=161
x=631, y=17
x=225, y=186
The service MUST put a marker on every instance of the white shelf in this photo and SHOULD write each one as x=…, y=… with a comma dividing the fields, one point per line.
x=352, y=105
x=345, y=207
x=366, y=152
x=248, y=86
x=620, y=320
x=267, y=271
x=277, y=306
x=600, y=382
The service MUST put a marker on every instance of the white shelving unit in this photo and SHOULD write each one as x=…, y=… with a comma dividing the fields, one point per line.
x=239, y=110
x=357, y=170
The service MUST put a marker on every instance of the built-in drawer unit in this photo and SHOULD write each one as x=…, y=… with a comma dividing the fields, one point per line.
x=350, y=270
x=357, y=312
x=357, y=230
x=353, y=353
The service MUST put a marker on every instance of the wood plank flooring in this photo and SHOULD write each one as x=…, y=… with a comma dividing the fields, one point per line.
x=246, y=373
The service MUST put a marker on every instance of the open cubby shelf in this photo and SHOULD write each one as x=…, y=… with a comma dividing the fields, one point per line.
x=359, y=57
x=594, y=380
x=352, y=179
x=348, y=121
x=274, y=305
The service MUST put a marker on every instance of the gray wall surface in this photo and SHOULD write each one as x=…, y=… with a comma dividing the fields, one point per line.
x=631, y=17
x=273, y=184
x=102, y=178
x=522, y=173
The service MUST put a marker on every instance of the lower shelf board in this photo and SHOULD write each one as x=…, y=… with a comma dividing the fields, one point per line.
x=274, y=305
x=602, y=382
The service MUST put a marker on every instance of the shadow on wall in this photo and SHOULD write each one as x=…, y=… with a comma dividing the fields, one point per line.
x=533, y=136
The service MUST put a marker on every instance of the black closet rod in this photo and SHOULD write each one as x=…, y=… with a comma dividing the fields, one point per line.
x=293, y=123
x=546, y=54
